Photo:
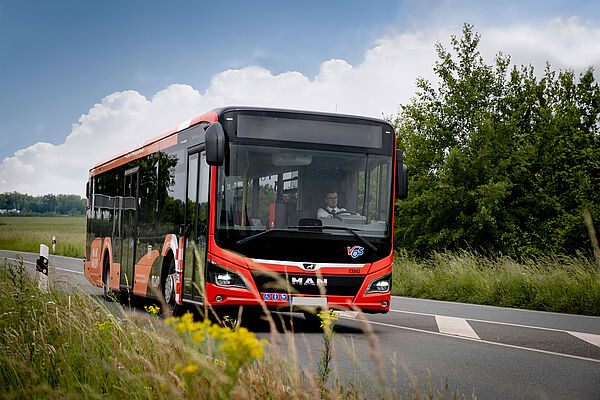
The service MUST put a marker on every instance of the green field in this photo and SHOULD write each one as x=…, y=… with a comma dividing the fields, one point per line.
x=27, y=233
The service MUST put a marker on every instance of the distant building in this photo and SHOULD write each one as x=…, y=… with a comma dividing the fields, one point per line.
x=13, y=211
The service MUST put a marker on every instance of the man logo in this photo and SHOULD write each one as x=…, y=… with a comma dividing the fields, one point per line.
x=301, y=281
x=309, y=267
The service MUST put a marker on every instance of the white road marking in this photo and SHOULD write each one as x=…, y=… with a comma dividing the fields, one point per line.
x=16, y=260
x=499, y=322
x=588, y=337
x=32, y=263
x=486, y=342
x=523, y=310
x=455, y=326
x=70, y=270
x=346, y=314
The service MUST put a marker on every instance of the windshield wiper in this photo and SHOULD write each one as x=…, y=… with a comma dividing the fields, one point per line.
x=252, y=237
x=302, y=227
x=340, y=228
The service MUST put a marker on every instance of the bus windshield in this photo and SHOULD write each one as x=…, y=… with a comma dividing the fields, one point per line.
x=299, y=204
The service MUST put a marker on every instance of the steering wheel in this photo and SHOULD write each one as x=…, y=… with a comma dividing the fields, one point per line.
x=335, y=214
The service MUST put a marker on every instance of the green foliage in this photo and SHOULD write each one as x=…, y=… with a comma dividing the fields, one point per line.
x=50, y=204
x=55, y=345
x=499, y=160
x=328, y=319
x=569, y=284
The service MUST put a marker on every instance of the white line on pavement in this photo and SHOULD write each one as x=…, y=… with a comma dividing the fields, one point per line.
x=70, y=270
x=455, y=326
x=520, y=310
x=588, y=337
x=32, y=263
x=16, y=260
x=486, y=342
x=492, y=322
x=346, y=314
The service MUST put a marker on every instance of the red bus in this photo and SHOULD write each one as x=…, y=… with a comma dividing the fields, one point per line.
x=221, y=208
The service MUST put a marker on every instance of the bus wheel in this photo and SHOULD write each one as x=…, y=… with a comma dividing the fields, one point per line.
x=109, y=294
x=168, y=289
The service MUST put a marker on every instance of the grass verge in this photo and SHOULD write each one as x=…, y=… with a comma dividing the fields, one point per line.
x=27, y=233
x=68, y=345
x=552, y=283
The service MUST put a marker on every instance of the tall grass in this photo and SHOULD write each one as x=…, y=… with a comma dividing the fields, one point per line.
x=27, y=233
x=552, y=283
x=69, y=345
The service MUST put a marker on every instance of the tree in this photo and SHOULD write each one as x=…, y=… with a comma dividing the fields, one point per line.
x=47, y=204
x=498, y=161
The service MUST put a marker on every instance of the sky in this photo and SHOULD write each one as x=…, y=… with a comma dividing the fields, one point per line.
x=82, y=80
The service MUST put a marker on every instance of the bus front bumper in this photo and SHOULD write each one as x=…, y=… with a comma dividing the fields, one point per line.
x=368, y=303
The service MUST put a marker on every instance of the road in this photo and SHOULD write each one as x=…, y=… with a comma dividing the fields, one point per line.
x=62, y=270
x=496, y=353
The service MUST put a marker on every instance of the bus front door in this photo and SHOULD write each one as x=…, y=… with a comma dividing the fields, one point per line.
x=196, y=226
x=190, y=224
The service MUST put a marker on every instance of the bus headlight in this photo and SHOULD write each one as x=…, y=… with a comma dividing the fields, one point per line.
x=221, y=276
x=380, y=285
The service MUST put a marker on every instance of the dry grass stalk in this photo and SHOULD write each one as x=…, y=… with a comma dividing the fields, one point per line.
x=587, y=217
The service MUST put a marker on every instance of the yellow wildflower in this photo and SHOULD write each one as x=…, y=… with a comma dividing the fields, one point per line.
x=191, y=368
x=328, y=319
x=238, y=345
x=154, y=310
x=102, y=326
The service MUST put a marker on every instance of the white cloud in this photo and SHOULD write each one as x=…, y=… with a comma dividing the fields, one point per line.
x=384, y=79
x=565, y=43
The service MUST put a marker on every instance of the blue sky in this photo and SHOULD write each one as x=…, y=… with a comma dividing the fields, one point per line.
x=60, y=58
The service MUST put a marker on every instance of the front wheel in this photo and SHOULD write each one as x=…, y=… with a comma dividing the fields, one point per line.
x=109, y=294
x=168, y=289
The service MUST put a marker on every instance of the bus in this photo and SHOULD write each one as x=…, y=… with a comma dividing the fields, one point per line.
x=224, y=210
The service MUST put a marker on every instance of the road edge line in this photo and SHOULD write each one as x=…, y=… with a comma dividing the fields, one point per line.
x=512, y=346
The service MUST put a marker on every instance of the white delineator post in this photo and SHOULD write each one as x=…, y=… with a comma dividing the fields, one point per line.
x=53, y=244
x=42, y=268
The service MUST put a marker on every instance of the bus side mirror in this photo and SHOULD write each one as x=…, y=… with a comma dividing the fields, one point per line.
x=215, y=144
x=401, y=178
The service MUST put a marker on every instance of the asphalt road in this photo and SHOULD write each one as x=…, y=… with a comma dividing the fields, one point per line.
x=496, y=353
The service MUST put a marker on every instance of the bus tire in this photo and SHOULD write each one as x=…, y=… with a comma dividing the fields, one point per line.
x=168, y=287
x=109, y=294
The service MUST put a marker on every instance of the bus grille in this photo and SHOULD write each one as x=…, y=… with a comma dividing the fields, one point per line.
x=334, y=285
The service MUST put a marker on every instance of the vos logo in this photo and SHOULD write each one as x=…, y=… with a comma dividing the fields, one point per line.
x=355, y=251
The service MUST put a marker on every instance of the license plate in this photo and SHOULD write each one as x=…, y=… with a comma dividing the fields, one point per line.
x=309, y=301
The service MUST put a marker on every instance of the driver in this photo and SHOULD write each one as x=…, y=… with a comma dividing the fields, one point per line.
x=331, y=199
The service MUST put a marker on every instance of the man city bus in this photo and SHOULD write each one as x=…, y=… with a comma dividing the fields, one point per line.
x=225, y=210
